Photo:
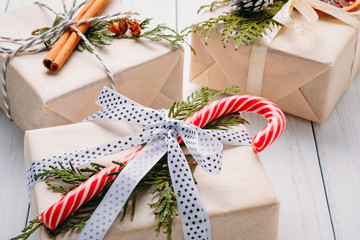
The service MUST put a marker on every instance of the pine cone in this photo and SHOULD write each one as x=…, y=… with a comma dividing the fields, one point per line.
x=119, y=28
x=135, y=28
x=123, y=25
x=251, y=5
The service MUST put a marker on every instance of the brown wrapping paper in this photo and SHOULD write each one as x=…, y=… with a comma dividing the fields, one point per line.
x=304, y=75
x=240, y=201
x=147, y=72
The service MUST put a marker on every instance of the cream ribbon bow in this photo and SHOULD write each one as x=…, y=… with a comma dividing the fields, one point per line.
x=306, y=9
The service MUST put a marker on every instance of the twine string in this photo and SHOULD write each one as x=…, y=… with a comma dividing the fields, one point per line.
x=30, y=45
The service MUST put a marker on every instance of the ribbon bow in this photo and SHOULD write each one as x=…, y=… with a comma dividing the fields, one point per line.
x=306, y=9
x=31, y=44
x=160, y=133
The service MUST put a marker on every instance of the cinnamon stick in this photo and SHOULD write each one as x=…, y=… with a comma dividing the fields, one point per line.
x=50, y=57
x=66, y=44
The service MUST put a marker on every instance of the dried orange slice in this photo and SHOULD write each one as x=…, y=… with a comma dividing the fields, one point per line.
x=347, y=5
x=332, y=3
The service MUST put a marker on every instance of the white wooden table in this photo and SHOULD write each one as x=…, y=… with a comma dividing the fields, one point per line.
x=315, y=168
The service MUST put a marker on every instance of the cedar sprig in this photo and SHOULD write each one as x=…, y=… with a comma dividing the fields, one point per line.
x=43, y=30
x=158, y=34
x=33, y=225
x=243, y=26
x=158, y=176
x=212, y=5
x=71, y=175
x=226, y=122
x=165, y=208
x=99, y=35
x=196, y=101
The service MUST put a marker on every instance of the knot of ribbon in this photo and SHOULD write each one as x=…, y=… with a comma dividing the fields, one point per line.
x=36, y=44
x=306, y=9
x=162, y=135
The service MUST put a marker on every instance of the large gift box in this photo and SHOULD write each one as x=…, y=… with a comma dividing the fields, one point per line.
x=305, y=75
x=148, y=72
x=241, y=201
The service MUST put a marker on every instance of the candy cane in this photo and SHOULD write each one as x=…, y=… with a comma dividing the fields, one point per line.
x=93, y=186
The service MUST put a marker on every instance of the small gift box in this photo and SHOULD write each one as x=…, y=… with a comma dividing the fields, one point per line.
x=305, y=75
x=146, y=71
x=236, y=194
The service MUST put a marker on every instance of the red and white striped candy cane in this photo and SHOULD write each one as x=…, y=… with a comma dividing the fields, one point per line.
x=245, y=103
x=93, y=186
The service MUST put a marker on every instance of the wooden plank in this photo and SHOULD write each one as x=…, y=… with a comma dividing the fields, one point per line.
x=186, y=15
x=338, y=142
x=162, y=11
x=3, y=5
x=13, y=198
x=292, y=165
x=13, y=4
x=12, y=168
x=186, y=11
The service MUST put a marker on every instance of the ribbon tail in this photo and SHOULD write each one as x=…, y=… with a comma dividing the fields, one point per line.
x=194, y=218
x=119, y=192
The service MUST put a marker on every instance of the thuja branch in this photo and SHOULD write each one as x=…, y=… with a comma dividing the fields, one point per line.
x=30, y=229
x=99, y=34
x=244, y=27
x=157, y=34
x=227, y=121
x=213, y=4
x=196, y=101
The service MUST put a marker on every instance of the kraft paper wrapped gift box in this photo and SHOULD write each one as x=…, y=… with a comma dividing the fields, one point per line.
x=148, y=72
x=304, y=75
x=240, y=201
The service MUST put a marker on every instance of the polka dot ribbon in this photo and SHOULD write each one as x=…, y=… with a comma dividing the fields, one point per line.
x=306, y=9
x=161, y=134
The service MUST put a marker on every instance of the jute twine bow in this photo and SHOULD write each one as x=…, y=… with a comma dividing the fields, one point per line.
x=306, y=9
x=33, y=44
x=160, y=133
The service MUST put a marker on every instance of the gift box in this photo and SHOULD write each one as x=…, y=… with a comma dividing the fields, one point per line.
x=146, y=71
x=241, y=201
x=305, y=75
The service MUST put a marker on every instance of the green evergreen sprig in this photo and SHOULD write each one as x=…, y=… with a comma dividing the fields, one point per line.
x=157, y=180
x=157, y=34
x=226, y=122
x=244, y=27
x=196, y=101
x=212, y=5
x=43, y=30
x=99, y=35
x=33, y=225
